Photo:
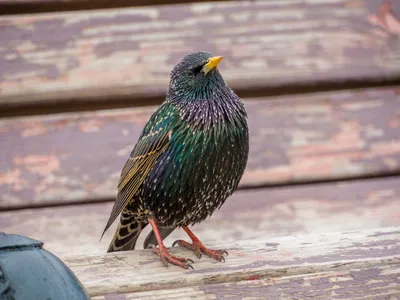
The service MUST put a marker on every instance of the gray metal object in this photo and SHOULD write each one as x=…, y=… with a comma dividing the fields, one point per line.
x=29, y=272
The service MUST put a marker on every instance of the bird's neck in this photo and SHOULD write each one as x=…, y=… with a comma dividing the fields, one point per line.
x=220, y=106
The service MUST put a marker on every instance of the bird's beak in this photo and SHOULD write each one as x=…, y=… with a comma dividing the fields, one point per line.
x=212, y=63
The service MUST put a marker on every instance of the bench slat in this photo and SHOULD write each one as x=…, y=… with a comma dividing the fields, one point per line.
x=342, y=263
x=126, y=55
x=78, y=157
x=381, y=281
x=250, y=214
x=8, y=7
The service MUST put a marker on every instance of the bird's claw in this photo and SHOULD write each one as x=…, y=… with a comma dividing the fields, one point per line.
x=189, y=260
x=198, y=248
x=167, y=258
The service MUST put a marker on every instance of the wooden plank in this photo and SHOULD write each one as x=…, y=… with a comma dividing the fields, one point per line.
x=126, y=55
x=251, y=214
x=78, y=157
x=345, y=264
x=378, y=282
x=8, y=7
x=301, y=287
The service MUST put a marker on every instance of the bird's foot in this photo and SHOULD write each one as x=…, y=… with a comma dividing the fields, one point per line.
x=199, y=249
x=166, y=258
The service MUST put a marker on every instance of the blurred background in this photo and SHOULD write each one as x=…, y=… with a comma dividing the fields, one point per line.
x=320, y=80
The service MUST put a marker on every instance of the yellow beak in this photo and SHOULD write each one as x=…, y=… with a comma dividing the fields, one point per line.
x=212, y=63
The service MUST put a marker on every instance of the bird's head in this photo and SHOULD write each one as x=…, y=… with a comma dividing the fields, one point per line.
x=196, y=76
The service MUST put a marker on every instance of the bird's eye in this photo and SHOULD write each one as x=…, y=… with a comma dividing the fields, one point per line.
x=197, y=69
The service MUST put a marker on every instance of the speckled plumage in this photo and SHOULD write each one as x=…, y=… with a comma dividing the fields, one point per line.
x=189, y=158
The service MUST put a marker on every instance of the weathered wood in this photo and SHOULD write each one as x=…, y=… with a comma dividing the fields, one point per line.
x=127, y=54
x=252, y=214
x=378, y=282
x=78, y=157
x=34, y=6
x=339, y=265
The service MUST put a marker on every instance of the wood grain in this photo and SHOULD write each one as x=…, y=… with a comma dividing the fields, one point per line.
x=252, y=214
x=127, y=54
x=78, y=157
x=8, y=7
x=343, y=263
x=378, y=282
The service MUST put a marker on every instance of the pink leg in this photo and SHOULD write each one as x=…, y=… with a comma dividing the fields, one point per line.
x=162, y=251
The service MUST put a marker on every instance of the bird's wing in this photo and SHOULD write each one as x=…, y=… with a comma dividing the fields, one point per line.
x=151, y=144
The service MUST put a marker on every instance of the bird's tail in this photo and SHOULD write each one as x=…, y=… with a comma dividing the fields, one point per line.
x=127, y=233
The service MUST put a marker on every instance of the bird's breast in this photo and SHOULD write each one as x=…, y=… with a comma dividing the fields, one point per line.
x=201, y=167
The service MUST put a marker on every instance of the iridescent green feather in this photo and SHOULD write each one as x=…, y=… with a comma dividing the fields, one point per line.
x=151, y=144
x=189, y=158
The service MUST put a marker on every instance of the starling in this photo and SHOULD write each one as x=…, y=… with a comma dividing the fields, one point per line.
x=187, y=161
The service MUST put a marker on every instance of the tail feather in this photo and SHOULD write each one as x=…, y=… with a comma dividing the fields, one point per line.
x=127, y=233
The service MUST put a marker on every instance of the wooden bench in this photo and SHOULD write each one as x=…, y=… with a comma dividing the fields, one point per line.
x=68, y=60
x=320, y=80
x=348, y=265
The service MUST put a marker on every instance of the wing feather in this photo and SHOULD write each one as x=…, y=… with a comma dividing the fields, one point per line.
x=152, y=143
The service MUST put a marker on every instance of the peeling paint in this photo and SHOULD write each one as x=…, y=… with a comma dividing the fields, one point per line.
x=38, y=164
x=78, y=156
x=118, y=52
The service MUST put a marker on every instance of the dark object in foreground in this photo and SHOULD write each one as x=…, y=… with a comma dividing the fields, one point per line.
x=27, y=271
x=188, y=160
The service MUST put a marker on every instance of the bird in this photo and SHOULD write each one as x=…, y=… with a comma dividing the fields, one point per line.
x=187, y=161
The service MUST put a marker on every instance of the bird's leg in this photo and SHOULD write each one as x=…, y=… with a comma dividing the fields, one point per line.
x=163, y=253
x=198, y=246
